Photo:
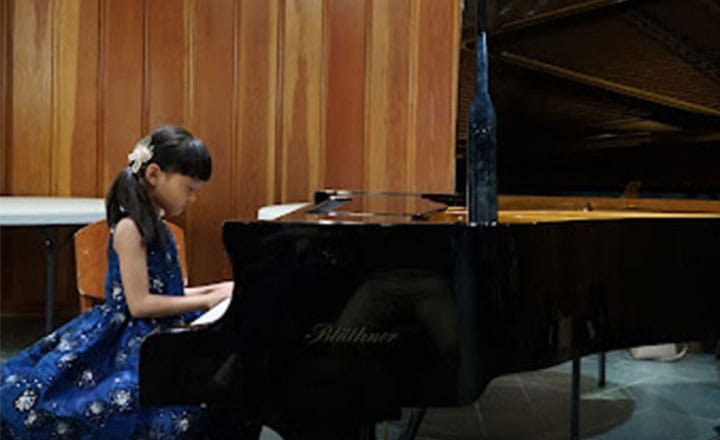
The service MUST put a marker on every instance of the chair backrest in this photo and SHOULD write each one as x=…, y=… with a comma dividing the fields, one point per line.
x=91, y=244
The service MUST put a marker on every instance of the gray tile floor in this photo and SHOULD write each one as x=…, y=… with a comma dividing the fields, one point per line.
x=642, y=400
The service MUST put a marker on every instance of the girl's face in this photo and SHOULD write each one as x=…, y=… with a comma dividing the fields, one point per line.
x=172, y=192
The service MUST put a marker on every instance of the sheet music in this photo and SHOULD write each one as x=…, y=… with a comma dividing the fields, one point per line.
x=214, y=313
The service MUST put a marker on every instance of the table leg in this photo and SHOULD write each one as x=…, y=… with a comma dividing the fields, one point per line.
x=50, y=248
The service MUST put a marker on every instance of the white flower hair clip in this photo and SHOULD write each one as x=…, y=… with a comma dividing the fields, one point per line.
x=141, y=154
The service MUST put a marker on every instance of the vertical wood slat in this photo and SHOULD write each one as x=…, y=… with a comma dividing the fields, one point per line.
x=301, y=118
x=74, y=98
x=257, y=82
x=434, y=134
x=388, y=98
x=280, y=105
x=121, y=83
x=345, y=93
x=210, y=117
x=5, y=90
x=30, y=163
x=63, y=38
x=166, y=59
x=410, y=155
x=84, y=158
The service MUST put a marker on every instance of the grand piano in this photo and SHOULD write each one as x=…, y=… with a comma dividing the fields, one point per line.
x=586, y=219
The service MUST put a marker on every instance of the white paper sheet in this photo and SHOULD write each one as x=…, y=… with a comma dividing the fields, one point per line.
x=214, y=313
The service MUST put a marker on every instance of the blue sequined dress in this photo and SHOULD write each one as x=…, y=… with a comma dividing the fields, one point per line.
x=81, y=381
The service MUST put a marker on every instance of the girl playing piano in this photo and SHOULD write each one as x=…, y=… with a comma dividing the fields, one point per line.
x=81, y=381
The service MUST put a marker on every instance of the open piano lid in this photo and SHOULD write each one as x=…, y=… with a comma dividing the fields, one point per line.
x=601, y=97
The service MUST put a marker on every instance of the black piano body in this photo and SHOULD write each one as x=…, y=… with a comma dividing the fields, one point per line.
x=608, y=235
x=368, y=314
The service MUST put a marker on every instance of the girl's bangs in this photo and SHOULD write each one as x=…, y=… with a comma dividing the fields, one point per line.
x=195, y=161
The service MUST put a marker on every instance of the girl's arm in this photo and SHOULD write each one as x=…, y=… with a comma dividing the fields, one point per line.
x=199, y=290
x=133, y=271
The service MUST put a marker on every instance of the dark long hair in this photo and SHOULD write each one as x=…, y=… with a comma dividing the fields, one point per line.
x=174, y=150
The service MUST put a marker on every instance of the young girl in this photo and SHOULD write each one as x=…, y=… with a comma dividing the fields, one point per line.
x=81, y=381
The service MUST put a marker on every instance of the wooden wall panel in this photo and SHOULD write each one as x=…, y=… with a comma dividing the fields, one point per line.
x=302, y=103
x=121, y=84
x=29, y=166
x=65, y=29
x=257, y=105
x=83, y=138
x=389, y=104
x=74, y=98
x=211, y=116
x=346, y=24
x=5, y=90
x=166, y=63
x=433, y=141
x=290, y=95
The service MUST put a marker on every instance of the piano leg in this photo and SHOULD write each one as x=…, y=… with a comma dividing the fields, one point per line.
x=575, y=400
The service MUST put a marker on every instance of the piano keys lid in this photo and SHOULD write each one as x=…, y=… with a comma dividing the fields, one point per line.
x=601, y=98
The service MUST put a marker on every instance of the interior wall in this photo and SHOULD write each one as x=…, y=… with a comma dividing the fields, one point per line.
x=290, y=95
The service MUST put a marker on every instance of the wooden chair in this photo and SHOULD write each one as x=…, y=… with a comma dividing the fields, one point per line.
x=91, y=244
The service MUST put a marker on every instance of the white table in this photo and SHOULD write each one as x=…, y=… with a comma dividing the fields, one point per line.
x=50, y=212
